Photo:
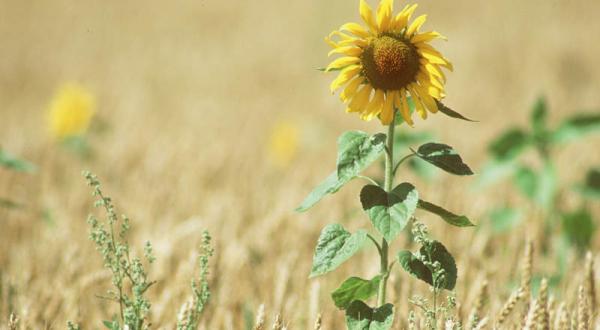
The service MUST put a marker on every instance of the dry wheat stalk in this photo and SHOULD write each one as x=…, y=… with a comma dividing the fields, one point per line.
x=531, y=320
x=475, y=314
x=590, y=282
x=542, y=316
x=278, y=324
x=582, y=309
x=318, y=322
x=260, y=318
x=508, y=307
x=13, y=322
x=482, y=324
x=562, y=318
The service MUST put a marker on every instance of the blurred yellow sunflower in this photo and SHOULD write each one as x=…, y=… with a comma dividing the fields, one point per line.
x=386, y=63
x=71, y=111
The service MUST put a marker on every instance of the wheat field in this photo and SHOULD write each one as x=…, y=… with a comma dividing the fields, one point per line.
x=188, y=93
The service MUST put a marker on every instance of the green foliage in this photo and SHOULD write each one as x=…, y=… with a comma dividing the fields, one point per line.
x=576, y=127
x=449, y=217
x=355, y=288
x=389, y=212
x=129, y=277
x=356, y=151
x=13, y=163
x=504, y=219
x=578, y=228
x=432, y=263
x=334, y=247
x=591, y=185
x=444, y=157
x=190, y=318
x=510, y=144
x=359, y=316
x=451, y=113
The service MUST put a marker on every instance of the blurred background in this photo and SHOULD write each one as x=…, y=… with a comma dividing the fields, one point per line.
x=212, y=115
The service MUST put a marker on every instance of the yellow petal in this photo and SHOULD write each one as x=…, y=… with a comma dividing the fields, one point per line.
x=350, y=90
x=347, y=50
x=427, y=99
x=435, y=71
x=366, y=13
x=375, y=106
x=416, y=25
x=417, y=101
x=427, y=36
x=403, y=17
x=428, y=58
x=353, y=42
x=387, y=113
x=355, y=29
x=360, y=99
x=432, y=54
x=345, y=76
x=331, y=42
x=427, y=79
x=342, y=62
x=384, y=14
x=404, y=109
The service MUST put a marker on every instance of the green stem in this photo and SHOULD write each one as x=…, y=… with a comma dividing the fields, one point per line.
x=388, y=183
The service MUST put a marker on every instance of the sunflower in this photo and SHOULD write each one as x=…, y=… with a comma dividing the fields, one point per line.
x=387, y=64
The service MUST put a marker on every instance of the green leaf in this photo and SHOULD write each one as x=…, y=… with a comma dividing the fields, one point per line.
x=510, y=144
x=356, y=151
x=539, y=116
x=591, y=185
x=13, y=163
x=546, y=186
x=576, y=127
x=526, y=180
x=451, y=113
x=435, y=251
x=355, y=288
x=389, y=212
x=449, y=217
x=422, y=168
x=579, y=228
x=444, y=157
x=330, y=186
x=359, y=316
x=112, y=325
x=504, y=219
x=334, y=247
x=494, y=171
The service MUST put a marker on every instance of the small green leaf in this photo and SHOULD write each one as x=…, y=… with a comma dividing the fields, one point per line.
x=355, y=288
x=510, y=144
x=451, y=113
x=449, y=217
x=359, y=316
x=539, y=116
x=504, y=219
x=444, y=157
x=576, y=127
x=435, y=252
x=13, y=163
x=334, y=247
x=389, y=212
x=330, y=186
x=591, y=185
x=356, y=151
x=526, y=180
x=112, y=325
x=579, y=228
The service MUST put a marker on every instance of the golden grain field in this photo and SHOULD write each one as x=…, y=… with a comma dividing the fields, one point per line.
x=188, y=96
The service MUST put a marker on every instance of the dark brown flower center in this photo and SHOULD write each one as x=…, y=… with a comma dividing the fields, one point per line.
x=390, y=62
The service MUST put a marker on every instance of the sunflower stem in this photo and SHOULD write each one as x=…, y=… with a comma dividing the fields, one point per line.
x=388, y=183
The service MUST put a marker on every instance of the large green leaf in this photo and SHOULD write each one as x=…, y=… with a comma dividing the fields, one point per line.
x=355, y=288
x=451, y=113
x=389, y=212
x=335, y=245
x=356, y=151
x=579, y=228
x=331, y=185
x=510, y=144
x=449, y=217
x=359, y=316
x=13, y=163
x=435, y=251
x=444, y=157
x=576, y=127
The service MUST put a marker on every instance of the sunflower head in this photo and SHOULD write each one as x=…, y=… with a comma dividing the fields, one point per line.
x=70, y=111
x=386, y=62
